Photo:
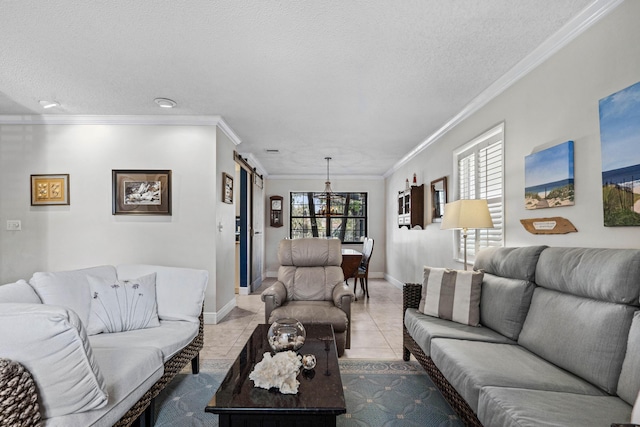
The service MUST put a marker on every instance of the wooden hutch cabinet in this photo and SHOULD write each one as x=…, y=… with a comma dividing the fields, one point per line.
x=411, y=207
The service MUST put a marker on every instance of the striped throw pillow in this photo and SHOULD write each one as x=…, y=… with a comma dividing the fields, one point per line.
x=452, y=295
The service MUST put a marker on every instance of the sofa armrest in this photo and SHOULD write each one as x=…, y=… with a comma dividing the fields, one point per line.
x=342, y=296
x=19, y=397
x=273, y=297
x=411, y=294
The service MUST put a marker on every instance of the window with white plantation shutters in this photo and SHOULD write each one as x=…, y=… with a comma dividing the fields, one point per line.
x=479, y=176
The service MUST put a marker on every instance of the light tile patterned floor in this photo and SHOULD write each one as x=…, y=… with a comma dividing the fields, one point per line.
x=376, y=325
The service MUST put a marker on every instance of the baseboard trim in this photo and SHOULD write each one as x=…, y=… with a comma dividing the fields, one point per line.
x=395, y=282
x=212, y=318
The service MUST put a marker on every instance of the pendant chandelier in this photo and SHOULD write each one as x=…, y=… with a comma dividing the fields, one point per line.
x=328, y=192
x=328, y=197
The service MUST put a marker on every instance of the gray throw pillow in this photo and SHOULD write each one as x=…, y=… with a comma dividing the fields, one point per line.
x=452, y=295
x=122, y=305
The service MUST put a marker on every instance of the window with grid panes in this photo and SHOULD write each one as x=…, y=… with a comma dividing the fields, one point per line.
x=479, y=175
x=343, y=216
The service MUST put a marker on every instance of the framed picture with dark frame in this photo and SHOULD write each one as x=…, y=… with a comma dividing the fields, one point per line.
x=50, y=189
x=141, y=192
x=227, y=188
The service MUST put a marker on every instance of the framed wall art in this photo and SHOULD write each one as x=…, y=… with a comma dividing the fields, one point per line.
x=619, y=137
x=258, y=180
x=548, y=177
x=49, y=190
x=141, y=192
x=227, y=188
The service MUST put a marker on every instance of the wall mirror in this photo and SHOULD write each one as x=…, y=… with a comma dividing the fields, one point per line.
x=438, y=198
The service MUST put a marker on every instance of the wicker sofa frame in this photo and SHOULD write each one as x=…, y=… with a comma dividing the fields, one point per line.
x=17, y=398
x=411, y=293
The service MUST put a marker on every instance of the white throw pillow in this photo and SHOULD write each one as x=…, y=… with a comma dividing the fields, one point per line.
x=452, y=295
x=122, y=305
x=19, y=291
x=70, y=288
x=51, y=342
x=180, y=291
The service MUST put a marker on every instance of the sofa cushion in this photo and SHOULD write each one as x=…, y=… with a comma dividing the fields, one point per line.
x=516, y=407
x=310, y=283
x=170, y=337
x=504, y=304
x=604, y=274
x=19, y=291
x=70, y=288
x=122, y=305
x=452, y=294
x=179, y=291
x=423, y=329
x=471, y=365
x=581, y=335
x=51, y=342
x=129, y=374
x=629, y=384
x=312, y=312
x=635, y=413
x=517, y=263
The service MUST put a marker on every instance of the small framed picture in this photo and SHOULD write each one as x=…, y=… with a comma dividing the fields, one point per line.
x=49, y=189
x=258, y=180
x=227, y=188
x=141, y=192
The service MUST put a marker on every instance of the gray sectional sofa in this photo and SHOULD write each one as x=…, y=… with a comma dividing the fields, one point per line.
x=558, y=342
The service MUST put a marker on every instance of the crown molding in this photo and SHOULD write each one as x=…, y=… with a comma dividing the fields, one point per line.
x=224, y=127
x=333, y=177
x=140, y=120
x=252, y=160
x=572, y=29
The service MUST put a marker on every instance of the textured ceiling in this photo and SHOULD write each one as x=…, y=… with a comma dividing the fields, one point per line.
x=362, y=81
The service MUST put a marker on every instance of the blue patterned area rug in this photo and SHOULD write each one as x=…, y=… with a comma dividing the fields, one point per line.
x=378, y=393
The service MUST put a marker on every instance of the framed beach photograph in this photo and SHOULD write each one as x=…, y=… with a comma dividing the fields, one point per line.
x=51, y=189
x=227, y=188
x=548, y=177
x=620, y=140
x=141, y=192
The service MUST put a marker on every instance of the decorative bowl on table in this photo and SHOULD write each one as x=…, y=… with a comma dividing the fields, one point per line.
x=286, y=334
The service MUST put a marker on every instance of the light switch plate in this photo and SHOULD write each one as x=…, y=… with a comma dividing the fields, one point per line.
x=14, y=225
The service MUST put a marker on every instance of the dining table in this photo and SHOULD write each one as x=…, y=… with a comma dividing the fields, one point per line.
x=351, y=260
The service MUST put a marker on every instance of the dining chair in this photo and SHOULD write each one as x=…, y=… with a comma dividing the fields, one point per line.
x=363, y=270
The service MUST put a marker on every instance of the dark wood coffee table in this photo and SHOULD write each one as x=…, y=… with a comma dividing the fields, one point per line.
x=320, y=396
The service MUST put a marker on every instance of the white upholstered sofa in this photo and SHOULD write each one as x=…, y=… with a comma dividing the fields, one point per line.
x=102, y=342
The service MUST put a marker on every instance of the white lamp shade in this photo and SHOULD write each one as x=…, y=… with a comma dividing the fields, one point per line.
x=465, y=214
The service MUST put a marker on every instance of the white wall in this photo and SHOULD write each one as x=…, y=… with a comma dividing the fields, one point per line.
x=225, y=256
x=376, y=200
x=85, y=233
x=556, y=102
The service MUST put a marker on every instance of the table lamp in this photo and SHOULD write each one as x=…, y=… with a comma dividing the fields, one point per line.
x=465, y=214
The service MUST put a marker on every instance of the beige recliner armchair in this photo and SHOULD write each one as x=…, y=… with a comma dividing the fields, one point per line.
x=311, y=287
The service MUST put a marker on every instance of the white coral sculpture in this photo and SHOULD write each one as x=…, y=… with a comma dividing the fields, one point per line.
x=278, y=371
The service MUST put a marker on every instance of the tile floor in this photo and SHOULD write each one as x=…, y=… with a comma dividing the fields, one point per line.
x=376, y=324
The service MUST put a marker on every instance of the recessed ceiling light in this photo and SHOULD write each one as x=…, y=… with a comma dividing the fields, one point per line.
x=49, y=104
x=165, y=103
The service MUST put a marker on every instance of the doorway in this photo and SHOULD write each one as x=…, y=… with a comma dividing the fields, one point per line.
x=249, y=218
